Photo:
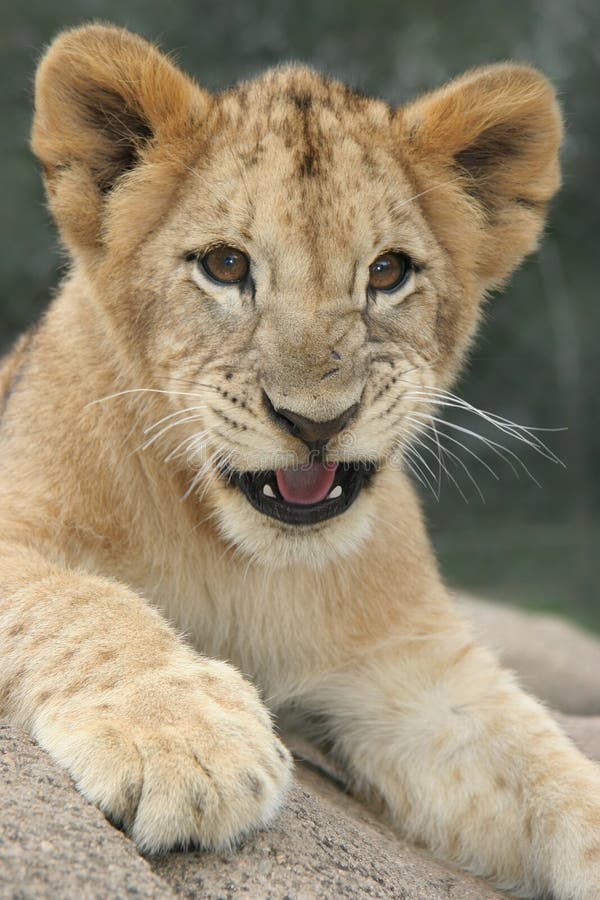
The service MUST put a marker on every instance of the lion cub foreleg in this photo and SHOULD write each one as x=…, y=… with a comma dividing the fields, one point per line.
x=177, y=748
x=467, y=763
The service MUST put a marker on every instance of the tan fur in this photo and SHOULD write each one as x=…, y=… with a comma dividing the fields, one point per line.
x=143, y=371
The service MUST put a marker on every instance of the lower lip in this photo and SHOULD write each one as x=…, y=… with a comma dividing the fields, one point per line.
x=351, y=480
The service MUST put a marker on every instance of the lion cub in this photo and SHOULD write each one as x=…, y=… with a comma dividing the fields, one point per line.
x=270, y=291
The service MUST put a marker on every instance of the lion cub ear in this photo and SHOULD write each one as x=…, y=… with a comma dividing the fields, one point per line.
x=490, y=139
x=103, y=98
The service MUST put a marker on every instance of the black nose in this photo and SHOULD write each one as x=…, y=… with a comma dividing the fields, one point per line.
x=314, y=434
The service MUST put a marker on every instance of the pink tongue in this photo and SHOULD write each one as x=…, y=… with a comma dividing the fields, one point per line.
x=306, y=484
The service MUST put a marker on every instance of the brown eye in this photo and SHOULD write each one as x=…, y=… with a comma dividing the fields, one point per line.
x=389, y=271
x=225, y=264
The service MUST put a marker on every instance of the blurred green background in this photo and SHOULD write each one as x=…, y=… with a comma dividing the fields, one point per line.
x=536, y=360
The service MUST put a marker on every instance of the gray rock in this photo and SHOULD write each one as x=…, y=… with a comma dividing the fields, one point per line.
x=585, y=732
x=555, y=660
x=53, y=844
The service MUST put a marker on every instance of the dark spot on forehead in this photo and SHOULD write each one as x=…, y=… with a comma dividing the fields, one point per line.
x=249, y=159
x=367, y=162
x=308, y=164
x=302, y=100
x=306, y=132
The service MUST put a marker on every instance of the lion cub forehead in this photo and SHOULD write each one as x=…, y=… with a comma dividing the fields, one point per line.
x=303, y=88
x=300, y=137
x=296, y=102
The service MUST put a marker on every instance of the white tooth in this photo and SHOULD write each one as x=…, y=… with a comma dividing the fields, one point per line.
x=268, y=490
x=336, y=492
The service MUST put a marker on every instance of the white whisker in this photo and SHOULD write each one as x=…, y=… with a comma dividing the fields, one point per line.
x=417, y=461
x=464, y=467
x=165, y=428
x=143, y=391
x=414, y=472
x=438, y=455
x=500, y=449
x=434, y=187
x=188, y=441
x=518, y=432
x=172, y=415
x=449, y=437
x=434, y=485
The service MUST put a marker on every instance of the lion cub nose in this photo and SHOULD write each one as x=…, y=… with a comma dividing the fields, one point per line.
x=314, y=434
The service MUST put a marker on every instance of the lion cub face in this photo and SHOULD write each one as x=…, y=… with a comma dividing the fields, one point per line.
x=297, y=267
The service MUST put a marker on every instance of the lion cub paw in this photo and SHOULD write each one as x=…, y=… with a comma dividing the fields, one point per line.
x=178, y=760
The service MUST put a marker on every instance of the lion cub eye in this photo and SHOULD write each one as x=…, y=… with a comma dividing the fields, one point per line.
x=389, y=271
x=225, y=264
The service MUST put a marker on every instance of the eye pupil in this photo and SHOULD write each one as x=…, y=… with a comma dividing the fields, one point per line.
x=389, y=271
x=225, y=265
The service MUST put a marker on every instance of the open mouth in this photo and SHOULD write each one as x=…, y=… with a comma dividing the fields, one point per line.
x=304, y=495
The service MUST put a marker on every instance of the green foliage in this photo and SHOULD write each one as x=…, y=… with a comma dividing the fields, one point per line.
x=536, y=361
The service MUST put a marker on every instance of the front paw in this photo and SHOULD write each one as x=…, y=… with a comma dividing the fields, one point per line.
x=178, y=759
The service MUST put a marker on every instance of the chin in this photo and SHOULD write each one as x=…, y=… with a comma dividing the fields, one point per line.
x=276, y=534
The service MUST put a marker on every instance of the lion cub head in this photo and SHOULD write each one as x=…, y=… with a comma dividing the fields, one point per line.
x=287, y=268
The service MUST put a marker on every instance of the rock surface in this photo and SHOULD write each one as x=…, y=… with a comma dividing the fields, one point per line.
x=52, y=842
x=555, y=660
x=324, y=844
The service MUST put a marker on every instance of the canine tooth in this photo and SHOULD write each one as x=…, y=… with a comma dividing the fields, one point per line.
x=268, y=490
x=336, y=492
